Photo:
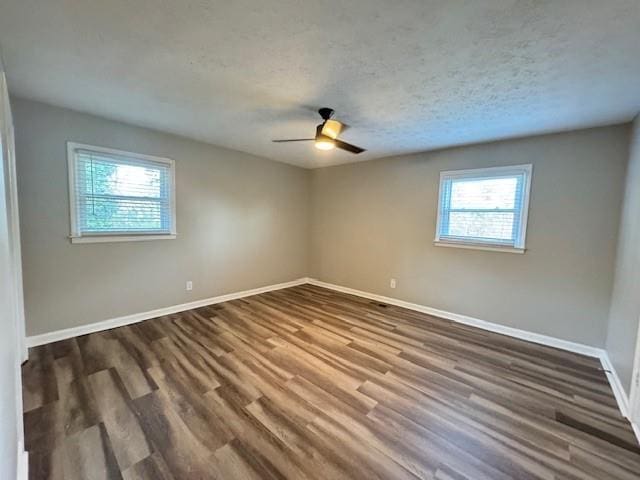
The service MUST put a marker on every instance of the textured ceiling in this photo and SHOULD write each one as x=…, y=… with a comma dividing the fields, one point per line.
x=407, y=75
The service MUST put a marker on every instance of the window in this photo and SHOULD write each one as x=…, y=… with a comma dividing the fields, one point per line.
x=119, y=196
x=484, y=208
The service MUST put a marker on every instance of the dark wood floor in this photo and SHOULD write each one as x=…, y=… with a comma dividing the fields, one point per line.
x=308, y=383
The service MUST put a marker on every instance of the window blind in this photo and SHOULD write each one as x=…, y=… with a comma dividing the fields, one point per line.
x=120, y=194
x=484, y=206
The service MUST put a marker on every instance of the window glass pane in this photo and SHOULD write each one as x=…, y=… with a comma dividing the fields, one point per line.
x=485, y=193
x=122, y=194
x=485, y=205
x=117, y=215
x=108, y=178
x=481, y=225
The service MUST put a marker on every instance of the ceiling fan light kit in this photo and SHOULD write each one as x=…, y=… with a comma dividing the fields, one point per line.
x=327, y=134
x=325, y=144
x=331, y=128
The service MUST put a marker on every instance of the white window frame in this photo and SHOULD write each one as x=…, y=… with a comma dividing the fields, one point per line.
x=77, y=236
x=490, y=172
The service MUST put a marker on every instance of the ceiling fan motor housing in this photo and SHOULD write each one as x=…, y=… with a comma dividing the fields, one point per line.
x=326, y=113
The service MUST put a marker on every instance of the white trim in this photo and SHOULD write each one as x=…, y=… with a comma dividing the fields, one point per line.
x=626, y=408
x=71, y=170
x=120, y=238
x=112, y=151
x=477, y=246
x=23, y=463
x=634, y=395
x=489, y=172
x=587, y=350
x=42, y=339
x=474, y=322
x=174, y=225
x=616, y=385
x=115, y=237
x=14, y=230
x=636, y=429
x=525, y=207
x=15, y=306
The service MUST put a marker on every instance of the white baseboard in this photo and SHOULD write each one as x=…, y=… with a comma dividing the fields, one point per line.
x=23, y=464
x=614, y=381
x=45, y=338
x=616, y=385
x=619, y=392
x=474, y=322
x=49, y=337
x=636, y=430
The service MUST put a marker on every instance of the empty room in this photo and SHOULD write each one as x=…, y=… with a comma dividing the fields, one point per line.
x=313, y=240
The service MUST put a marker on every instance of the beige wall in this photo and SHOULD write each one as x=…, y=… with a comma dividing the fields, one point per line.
x=245, y=222
x=376, y=220
x=242, y=223
x=625, y=303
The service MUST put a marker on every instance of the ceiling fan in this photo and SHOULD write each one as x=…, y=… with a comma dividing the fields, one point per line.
x=327, y=134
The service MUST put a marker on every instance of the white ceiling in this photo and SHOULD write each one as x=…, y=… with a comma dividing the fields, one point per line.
x=407, y=75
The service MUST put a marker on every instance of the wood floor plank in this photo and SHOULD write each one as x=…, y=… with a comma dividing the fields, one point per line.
x=152, y=467
x=184, y=454
x=306, y=383
x=128, y=441
x=204, y=423
x=88, y=456
x=39, y=382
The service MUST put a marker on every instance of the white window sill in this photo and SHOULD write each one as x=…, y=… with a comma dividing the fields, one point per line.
x=120, y=238
x=478, y=246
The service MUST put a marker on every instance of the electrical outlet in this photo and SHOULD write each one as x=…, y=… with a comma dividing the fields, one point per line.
x=189, y=285
x=392, y=283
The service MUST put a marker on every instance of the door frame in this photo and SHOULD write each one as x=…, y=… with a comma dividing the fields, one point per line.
x=8, y=159
x=634, y=396
x=14, y=227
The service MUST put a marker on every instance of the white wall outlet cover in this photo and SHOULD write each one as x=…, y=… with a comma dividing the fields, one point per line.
x=392, y=283
x=189, y=285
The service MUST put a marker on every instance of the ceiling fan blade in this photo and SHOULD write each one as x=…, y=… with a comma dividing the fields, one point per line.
x=348, y=147
x=332, y=128
x=294, y=140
